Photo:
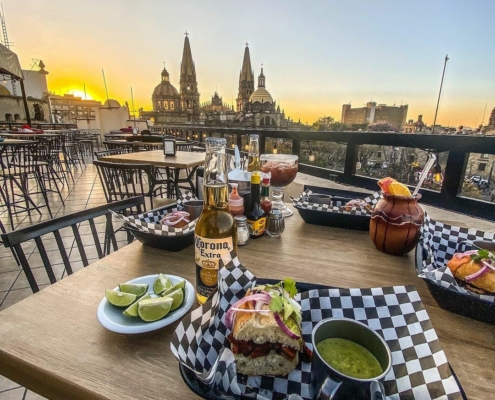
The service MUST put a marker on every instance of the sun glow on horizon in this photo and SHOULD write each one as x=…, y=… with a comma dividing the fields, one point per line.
x=81, y=94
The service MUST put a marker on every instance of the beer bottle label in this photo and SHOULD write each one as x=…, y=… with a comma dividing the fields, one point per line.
x=258, y=227
x=207, y=254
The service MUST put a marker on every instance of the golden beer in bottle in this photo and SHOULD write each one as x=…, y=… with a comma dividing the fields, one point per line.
x=254, y=154
x=215, y=232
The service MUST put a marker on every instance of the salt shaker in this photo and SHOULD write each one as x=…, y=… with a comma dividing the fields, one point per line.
x=242, y=230
x=276, y=224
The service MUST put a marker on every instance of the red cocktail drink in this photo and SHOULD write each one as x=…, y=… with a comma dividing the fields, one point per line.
x=283, y=169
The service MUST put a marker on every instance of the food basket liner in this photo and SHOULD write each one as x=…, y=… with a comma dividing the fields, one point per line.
x=150, y=221
x=440, y=242
x=336, y=205
x=420, y=368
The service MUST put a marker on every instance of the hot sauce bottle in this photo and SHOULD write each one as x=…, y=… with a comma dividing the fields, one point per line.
x=265, y=202
x=255, y=215
x=236, y=202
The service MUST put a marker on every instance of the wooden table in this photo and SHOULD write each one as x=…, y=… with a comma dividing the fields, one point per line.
x=53, y=344
x=186, y=160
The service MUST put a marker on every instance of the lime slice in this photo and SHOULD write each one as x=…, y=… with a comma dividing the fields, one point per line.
x=120, y=299
x=180, y=285
x=162, y=283
x=151, y=310
x=177, y=297
x=135, y=288
x=132, y=311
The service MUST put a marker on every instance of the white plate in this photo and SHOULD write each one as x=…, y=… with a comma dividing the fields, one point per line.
x=113, y=319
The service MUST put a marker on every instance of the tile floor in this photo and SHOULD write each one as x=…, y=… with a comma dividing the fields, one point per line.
x=84, y=192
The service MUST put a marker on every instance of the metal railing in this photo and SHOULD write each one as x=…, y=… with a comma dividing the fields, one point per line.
x=458, y=148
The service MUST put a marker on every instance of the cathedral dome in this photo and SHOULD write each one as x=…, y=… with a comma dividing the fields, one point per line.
x=261, y=95
x=165, y=88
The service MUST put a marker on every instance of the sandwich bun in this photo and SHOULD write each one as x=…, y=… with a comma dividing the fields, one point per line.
x=261, y=328
x=271, y=364
x=462, y=266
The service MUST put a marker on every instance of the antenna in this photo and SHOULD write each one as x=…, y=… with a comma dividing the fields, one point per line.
x=7, y=44
x=133, y=112
x=483, y=119
x=106, y=90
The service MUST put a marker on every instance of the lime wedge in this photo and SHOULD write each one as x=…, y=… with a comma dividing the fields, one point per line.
x=120, y=299
x=177, y=297
x=132, y=311
x=137, y=288
x=180, y=285
x=151, y=310
x=162, y=283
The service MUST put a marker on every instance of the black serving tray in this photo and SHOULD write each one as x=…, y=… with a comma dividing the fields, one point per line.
x=170, y=243
x=333, y=219
x=210, y=393
x=453, y=301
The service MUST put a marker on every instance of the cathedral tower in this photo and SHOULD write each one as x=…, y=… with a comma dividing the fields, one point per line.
x=188, y=85
x=246, y=82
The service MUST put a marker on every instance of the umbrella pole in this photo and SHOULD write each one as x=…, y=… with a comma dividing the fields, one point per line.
x=24, y=100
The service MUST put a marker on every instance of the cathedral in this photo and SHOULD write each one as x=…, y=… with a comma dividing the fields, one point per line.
x=254, y=108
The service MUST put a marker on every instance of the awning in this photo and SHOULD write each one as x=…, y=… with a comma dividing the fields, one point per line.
x=9, y=63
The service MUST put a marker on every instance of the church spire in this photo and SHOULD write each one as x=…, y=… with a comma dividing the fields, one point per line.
x=247, y=73
x=188, y=84
x=246, y=81
x=261, y=79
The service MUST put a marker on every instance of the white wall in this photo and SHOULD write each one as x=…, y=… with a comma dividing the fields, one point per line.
x=112, y=119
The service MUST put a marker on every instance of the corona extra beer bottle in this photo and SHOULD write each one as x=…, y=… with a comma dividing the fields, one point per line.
x=254, y=154
x=215, y=233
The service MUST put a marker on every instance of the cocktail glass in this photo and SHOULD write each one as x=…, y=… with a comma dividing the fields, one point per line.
x=283, y=169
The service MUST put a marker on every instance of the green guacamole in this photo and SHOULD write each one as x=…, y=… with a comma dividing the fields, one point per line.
x=349, y=358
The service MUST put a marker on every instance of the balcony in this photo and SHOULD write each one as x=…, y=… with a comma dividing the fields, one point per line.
x=458, y=158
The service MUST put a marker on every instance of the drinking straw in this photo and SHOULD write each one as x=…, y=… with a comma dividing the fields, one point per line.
x=426, y=169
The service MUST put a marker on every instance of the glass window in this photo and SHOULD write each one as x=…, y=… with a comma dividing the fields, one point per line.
x=165, y=105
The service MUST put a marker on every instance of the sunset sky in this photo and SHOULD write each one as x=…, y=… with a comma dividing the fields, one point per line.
x=317, y=55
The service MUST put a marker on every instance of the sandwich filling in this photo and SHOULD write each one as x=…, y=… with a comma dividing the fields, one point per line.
x=267, y=322
x=474, y=270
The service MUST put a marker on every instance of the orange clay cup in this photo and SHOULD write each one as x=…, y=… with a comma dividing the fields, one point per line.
x=395, y=223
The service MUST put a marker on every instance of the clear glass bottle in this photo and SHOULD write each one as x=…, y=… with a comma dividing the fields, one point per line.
x=242, y=230
x=254, y=153
x=215, y=233
x=265, y=202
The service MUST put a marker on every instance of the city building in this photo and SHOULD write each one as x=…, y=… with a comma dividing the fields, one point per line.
x=35, y=86
x=171, y=106
x=395, y=116
x=415, y=126
x=68, y=108
x=254, y=108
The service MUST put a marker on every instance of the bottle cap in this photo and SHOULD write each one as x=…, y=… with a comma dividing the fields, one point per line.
x=255, y=178
x=240, y=218
x=266, y=181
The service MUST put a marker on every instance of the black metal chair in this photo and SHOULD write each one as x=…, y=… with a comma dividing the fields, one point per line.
x=121, y=181
x=76, y=223
x=111, y=152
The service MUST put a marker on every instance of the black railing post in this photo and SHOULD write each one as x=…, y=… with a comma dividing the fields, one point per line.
x=239, y=141
x=351, y=158
x=454, y=174
x=296, y=148
x=262, y=143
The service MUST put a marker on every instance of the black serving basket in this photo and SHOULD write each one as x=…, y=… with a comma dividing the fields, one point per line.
x=164, y=242
x=170, y=243
x=335, y=219
x=456, y=302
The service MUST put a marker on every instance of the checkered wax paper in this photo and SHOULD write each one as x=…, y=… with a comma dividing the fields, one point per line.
x=419, y=366
x=336, y=206
x=150, y=222
x=440, y=242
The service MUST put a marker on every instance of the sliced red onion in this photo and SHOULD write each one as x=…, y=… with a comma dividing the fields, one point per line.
x=487, y=263
x=180, y=215
x=284, y=327
x=466, y=253
x=481, y=272
x=235, y=307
